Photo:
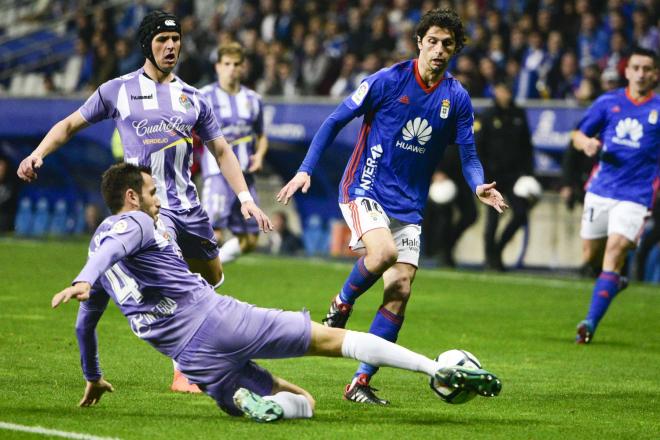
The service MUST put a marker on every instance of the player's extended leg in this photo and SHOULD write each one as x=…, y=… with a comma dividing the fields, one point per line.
x=386, y=324
x=374, y=350
x=606, y=287
x=381, y=253
x=286, y=400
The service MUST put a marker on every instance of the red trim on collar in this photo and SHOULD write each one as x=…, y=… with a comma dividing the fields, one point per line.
x=418, y=77
x=644, y=99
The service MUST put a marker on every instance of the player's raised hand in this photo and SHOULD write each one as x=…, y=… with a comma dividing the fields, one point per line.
x=27, y=170
x=492, y=197
x=79, y=291
x=250, y=209
x=300, y=180
x=94, y=390
x=591, y=147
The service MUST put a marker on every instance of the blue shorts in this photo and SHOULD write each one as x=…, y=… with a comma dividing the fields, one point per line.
x=192, y=231
x=224, y=208
x=219, y=358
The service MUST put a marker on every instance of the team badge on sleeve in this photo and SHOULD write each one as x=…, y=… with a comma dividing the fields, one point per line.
x=653, y=117
x=444, y=110
x=120, y=227
x=360, y=93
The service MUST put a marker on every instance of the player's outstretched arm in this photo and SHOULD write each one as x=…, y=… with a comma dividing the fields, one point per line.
x=94, y=390
x=491, y=197
x=79, y=291
x=590, y=145
x=231, y=170
x=257, y=159
x=56, y=137
x=300, y=180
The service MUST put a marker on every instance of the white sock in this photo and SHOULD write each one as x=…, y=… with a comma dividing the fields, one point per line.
x=230, y=250
x=294, y=406
x=376, y=351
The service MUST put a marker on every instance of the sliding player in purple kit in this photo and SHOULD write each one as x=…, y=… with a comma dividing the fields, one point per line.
x=412, y=111
x=213, y=338
x=239, y=111
x=155, y=113
x=621, y=191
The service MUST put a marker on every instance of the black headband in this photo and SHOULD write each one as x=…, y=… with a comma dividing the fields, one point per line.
x=153, y=24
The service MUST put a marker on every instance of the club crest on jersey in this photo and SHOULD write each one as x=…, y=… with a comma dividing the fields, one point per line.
x=360, y=93
x=184, y=101
x=653, y=117
x=444, y=109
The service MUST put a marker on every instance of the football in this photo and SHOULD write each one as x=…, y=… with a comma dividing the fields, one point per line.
x=460, y=358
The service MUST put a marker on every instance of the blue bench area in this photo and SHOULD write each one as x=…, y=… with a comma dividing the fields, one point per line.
x=42, y=51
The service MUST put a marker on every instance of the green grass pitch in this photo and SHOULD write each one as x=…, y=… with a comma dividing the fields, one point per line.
x=520, y=326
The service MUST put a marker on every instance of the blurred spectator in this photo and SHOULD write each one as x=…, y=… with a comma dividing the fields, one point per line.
x=105, y=62
x=346, y=83
x=506, y=152
x=268, y=20
x=644, y=33
x=8, y=196
x=569, y=77
x=610, y=80
x=531, y=66
x=132, y=15
x=517, y=44
x=281, y=240
x=371, y=64
x=496, y=50
x=127, y=60
x=592, y=41
x=489, y=74
x=314, y=66
x=575, y=170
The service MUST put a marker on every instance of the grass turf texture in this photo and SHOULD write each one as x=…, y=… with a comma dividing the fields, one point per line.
x=520, y=326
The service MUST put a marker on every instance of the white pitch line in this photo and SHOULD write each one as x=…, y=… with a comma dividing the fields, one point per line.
x=53, y=432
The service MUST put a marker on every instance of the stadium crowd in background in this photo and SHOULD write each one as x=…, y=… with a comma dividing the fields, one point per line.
x=548, y=49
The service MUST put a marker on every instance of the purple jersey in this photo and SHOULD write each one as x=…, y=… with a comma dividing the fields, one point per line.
x=155, y=122
x=241, y=118
x=406, y=129
x=630, y=157
x=140, y=267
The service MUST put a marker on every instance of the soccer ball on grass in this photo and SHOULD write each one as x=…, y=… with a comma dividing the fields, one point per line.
x=455, y=358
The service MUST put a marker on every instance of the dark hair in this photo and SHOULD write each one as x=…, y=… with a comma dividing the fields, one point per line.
x=231, y=49
x=645, y=53
x=117, y=180
x=445, y=19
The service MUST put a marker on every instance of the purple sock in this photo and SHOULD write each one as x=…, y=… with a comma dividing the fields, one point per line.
x=605, y=289
x=358, y=282
x=386, y=325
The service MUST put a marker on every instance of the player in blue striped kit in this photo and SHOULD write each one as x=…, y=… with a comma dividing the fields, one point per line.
x=623, y=127
x=412, y=111
x=156, y=113
x=214, y=338
x=240, y=113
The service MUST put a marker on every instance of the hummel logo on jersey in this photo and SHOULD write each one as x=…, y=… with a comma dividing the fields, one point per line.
x=628, y=132
x=418, y=129
x=370, y=166
x=404, y=99
x=137, y=97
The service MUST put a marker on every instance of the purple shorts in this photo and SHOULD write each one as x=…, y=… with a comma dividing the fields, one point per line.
x=193, y=232
x=219, y=357
x=224, y=208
